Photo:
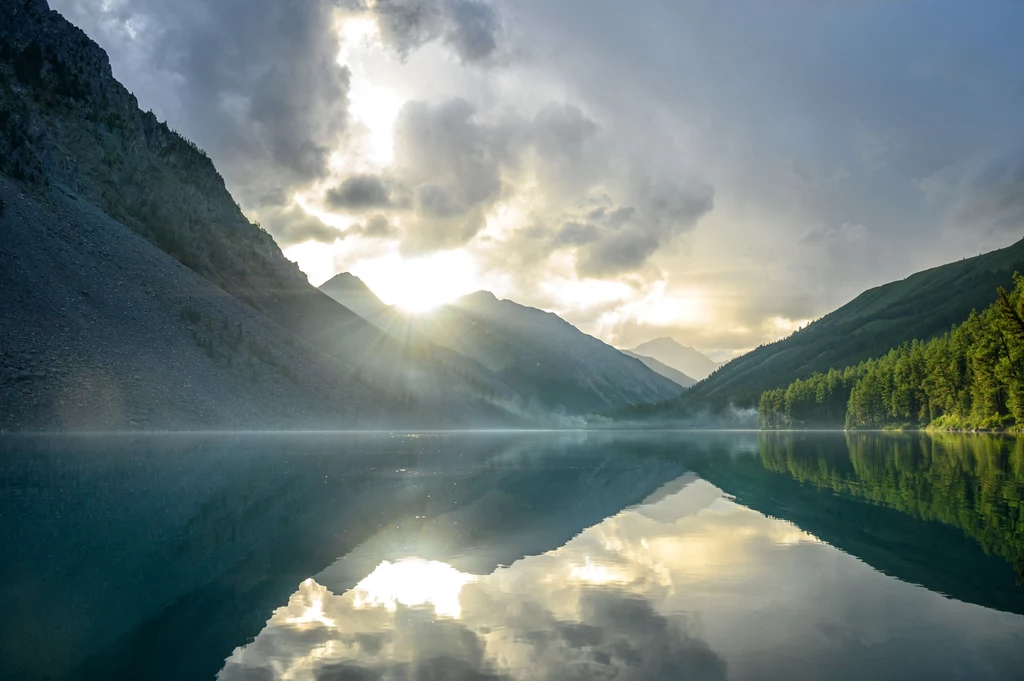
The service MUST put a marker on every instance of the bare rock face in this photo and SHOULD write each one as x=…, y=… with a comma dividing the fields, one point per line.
x=66, y=121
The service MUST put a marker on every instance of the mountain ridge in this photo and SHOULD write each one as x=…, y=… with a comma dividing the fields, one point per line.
x=674, y=354
x=73, y=138
x=542, y=358
x=665, y=370
x=918, y=307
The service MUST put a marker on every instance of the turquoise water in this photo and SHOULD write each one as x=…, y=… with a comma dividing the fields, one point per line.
x=512, y=556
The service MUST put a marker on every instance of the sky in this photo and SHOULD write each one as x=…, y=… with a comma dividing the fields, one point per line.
x=721, y=173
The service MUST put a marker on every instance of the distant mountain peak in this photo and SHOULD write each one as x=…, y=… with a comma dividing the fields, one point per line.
x=345, y=279
x=479, y=297
x=667, y=340
x=353, y=293
x=678, y=356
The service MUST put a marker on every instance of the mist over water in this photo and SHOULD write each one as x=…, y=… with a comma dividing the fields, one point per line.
x=512, y=555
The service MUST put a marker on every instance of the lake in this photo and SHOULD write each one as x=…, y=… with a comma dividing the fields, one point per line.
x=566, y=555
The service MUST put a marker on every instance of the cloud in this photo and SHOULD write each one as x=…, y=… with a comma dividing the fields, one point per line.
x=575, y=234
x=359, y=193
x=474, y=28
x=623, y=238
x=470, y=27
x=254, y=82
x=571, y=151
x=291, y=225
x=377, y=227
x=992, y=199
x=453, y=165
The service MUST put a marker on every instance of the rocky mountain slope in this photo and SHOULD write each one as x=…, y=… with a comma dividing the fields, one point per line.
x=86, y=170
x=548, y=363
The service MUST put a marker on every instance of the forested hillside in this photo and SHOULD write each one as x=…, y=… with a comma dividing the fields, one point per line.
x=919, y=307
x=971, y=378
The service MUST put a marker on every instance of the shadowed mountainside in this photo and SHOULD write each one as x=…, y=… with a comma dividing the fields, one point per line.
x=84, y=299
x=548, y=363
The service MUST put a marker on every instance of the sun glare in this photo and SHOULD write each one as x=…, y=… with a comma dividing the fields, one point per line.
x=413, y=582
x=420, y=284
x=374, y=106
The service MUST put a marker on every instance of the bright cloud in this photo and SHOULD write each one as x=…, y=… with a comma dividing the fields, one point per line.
x=718, y=174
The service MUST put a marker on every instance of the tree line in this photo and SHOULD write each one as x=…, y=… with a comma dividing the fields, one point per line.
x=973, y=483
x=971, y=378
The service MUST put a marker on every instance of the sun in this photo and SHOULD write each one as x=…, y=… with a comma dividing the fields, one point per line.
x=418, y=285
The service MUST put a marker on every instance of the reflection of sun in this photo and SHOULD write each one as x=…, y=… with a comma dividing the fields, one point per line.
x=412, y=582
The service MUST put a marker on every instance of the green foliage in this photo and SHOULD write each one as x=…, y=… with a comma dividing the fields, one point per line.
x=920, y=307
x=971, y=378
x=818, y=402
x=974, y=483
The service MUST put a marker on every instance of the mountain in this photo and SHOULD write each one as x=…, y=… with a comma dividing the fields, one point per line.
x=668, y=372
x=350, y=291
x=679, y=357
x=548, y=363
x=922, y=306
x=541, y=356
x=137, y=293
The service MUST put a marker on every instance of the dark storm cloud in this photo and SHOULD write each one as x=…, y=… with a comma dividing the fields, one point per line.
x=254, y=82
x=359, y=193
x=470, y=27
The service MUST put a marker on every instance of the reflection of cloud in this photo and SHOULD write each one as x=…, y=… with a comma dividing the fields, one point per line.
x=583, y=611
x=689, y=585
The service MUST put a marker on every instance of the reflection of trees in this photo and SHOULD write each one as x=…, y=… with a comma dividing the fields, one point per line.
x=972, y=482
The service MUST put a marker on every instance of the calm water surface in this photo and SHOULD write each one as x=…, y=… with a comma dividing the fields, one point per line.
x=512, y=556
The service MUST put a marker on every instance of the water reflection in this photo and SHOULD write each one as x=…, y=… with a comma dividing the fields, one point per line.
x=974, y=484
x=689, y=585
x=510, y=556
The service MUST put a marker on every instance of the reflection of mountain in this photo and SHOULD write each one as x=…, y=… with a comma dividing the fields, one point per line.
x=915, y=507
x=175, y=551
x=156, y=557
x=686, y=585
